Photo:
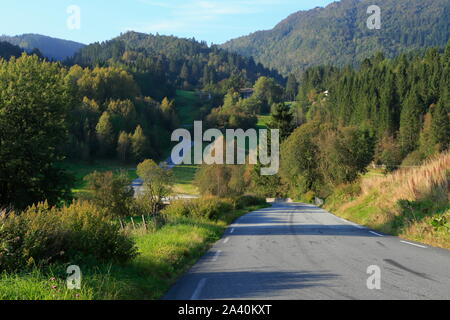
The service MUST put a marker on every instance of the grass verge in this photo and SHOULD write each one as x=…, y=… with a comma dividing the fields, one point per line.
x=410, y=203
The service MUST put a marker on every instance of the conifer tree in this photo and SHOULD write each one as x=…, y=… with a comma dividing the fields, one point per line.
x=410, y=122
x=282, y=119
x=440, y=127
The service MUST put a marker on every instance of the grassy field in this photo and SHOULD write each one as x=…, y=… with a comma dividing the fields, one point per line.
x=164, y=256
x=184, y=176
x=82, y=169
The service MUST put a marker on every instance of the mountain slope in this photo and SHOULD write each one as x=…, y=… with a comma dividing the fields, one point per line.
x=338, y=33
x=51, y=48
x=8, y=50
x=184, y=63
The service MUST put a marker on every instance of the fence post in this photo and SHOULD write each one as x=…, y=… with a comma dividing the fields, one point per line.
x=145, y=224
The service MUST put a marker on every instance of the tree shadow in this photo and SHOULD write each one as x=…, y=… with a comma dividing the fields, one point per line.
x=246, y=284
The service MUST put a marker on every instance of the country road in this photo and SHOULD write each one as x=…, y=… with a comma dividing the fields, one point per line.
x=297, y=251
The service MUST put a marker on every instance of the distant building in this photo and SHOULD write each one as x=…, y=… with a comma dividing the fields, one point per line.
x=246, y=93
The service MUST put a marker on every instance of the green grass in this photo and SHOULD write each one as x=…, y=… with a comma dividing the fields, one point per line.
x=184, y=176
x=82, y=169
x=263, y=121
x=164, y=256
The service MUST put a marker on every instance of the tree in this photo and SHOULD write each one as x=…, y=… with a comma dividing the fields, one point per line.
x=282, y=119
x=105, y=134
x=268, y=92
x=410, y=122
x=388, y=153
x=158, y=184
x=123, y=115
x=140, y=146
x=169, y=113
x=299, y=159
x=344, y=153
x=440, y=127
x=34, y=100
x=291, y=87
x=124, y=147
x=223, y=180
x=112, y=192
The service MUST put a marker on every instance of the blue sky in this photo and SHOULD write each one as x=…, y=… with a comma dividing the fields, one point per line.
x=211, y=20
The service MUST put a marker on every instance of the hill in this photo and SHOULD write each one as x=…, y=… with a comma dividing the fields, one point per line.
x=51, y=48
x=8, y=50
x=183, y=63
x=338, y=34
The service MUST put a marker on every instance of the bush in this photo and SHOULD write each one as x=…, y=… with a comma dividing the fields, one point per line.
x=43, y=235
x=209, y=208
x=247, y=201
x=308, y=197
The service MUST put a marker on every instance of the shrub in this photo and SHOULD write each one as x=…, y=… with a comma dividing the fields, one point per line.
x=111, y=192
x=209, y=208
x=248, y=200
x=308, y=197
x=43, y=235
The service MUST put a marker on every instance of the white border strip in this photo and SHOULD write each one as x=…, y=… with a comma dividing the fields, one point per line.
x=199, y=289
x=413, y=244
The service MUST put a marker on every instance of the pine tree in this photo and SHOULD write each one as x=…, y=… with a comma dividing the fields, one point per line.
x=282, y=119
x=440, y=127
x=410, y=122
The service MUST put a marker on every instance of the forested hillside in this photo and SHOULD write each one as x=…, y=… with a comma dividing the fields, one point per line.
x=51, y=48
x=338, y=34
x=391, y=111
x=162, y=63
x=8, y=50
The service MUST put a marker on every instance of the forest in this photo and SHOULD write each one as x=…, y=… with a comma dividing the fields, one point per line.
x=338, y=34
x=162, y=63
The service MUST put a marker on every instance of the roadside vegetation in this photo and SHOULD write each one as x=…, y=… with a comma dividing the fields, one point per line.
x=126, y=247
x=159, y=257
x=411, y=203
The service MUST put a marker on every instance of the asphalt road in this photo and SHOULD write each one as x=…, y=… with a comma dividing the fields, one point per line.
x=296, y=251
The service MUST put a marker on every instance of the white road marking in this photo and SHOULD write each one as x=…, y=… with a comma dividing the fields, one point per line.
x=216, y=256
x=199, y=289
x=232, y=230
x=413, y=244
x=226, y=240
x=377, y=234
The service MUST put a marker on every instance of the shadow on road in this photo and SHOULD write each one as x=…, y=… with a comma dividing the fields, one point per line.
x=255, y=284
x=301, y=230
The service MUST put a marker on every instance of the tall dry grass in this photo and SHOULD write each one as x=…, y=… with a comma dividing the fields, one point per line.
x=412, y=184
